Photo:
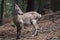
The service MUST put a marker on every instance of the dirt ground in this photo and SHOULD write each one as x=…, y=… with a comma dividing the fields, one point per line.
x=7, y=32
x=49, y=29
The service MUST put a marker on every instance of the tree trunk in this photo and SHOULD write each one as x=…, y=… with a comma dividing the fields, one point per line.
x=2, y=7
x=55, y=5
x=30, y=5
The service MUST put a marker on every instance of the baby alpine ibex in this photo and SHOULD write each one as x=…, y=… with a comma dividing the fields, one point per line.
x=29, y=18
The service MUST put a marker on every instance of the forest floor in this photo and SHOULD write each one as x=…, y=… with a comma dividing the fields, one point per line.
x=49, y=29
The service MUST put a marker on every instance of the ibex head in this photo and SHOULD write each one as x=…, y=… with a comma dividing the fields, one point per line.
x=18, y=10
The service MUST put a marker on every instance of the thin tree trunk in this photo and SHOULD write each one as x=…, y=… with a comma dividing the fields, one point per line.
x=2, y=7
x=55, y=5
x=30, y=5
x=0, y=12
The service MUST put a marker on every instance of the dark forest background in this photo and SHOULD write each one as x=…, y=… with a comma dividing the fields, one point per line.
x=7, y=7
